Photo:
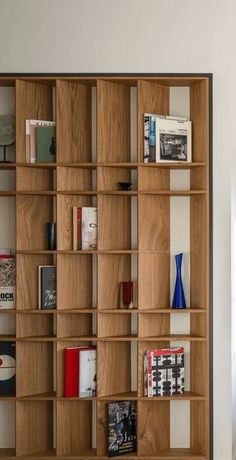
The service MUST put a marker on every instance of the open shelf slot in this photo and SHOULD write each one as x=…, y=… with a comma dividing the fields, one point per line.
x=35, y=179
x=75, y=428
x=37, y=358
x=8, y=436
x=75, y=325
x=76, y=179
x=27, y=276
x=34, y=424
x=33, y=101
x=74, y=122
x=154, y=281
x=115, y=325
x=30, y=325
x=110, y=177
x=7, y=181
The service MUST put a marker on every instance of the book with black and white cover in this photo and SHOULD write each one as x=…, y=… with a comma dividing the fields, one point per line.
x=7, y=280
x=122, y=435
x=30, y=129
x=87, y=371
x=7, y=368
x=89, y=228
x=173, y=140
x=150, y=123
x=46, y=287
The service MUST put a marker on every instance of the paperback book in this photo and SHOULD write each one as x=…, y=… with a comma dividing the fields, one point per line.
x=46, y=144
x=7, y=368
x=84, y=228
x=7, y=280
x=31, y=126
x=164, y=372
x=46, y=287
x=122, y=421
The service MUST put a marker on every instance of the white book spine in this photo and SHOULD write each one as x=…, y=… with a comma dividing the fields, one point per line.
x=87, y=373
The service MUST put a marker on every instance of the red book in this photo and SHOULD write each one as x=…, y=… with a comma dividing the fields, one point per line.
x=72, y=371
x=77, y=232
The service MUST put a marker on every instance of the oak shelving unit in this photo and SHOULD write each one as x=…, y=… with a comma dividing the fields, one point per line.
x=133, y=230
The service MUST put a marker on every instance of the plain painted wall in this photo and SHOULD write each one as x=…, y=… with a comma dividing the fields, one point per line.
x=148, y=36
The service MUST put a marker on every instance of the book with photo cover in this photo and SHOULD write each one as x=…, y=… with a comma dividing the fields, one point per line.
x=46, y=287
x=87, y=371
x=30, y=127
x=7, y=368
x=122, y=421
x=164, y=372
x=7, y=281
x=173, y=140
x=46, y=144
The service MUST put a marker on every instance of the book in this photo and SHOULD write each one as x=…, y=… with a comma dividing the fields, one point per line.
x=7, y=281
x=122, y=422
x=30, y=128
x=84, y=228
x=7, y=368
x=87, y=372
x=89, y=228
x=77, y=214
x=46, y=144
x=164, y=372
x=173, y=140
x=72, y=372
x=46, y=287
x=151, y=133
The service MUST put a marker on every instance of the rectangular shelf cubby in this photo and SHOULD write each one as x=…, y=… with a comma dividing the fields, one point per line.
x=76, y=325
x=35, y=179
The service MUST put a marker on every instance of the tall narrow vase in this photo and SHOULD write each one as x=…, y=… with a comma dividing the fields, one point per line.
x=179, y=297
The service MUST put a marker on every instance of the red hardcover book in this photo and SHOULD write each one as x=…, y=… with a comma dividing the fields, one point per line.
x=72, y=371
x=79, y=222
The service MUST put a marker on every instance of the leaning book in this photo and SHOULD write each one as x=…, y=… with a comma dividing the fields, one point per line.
x=7, y=281
x=173, y=140
x=122, y=420
x=46, y=287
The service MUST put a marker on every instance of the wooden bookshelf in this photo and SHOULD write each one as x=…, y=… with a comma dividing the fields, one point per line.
x=134, y=241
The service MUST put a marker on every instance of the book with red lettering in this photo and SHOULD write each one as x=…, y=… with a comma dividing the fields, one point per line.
x=72, y=371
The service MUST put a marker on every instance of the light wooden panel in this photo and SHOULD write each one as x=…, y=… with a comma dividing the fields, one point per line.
x=153, y=325
x=199, y=368
x=154, y=223
x=27, y=279
x=113, y=122
x=200, y=427
x=108, y=178
x=102, y=427
x=114, y=325
x=114, y=225
x=151, y=179
x=199, y=115
x=73, y=179
x=152, y=98
x=37, y=359
x=60, y=372
x=33, y=101
x=65, y=204
x=153, y=427
x=30, y=179
x=74, y=427
x=74, y=123
x=33, y=213
x=113, y=368
x=112, y=269
x=76, y=325
x=154, y=281
x=29, y=325
x=74, y=281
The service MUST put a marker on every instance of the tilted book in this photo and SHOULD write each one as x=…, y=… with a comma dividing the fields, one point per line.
x=173, y=140
x=30, y=127
x=46, y=287
x=87, y=371
x=7, y=281
x=122, y=419
x=7, y=368
x=164, y=372
x=46, y=144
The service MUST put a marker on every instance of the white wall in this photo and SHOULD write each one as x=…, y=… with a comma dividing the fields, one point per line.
x=147, y=36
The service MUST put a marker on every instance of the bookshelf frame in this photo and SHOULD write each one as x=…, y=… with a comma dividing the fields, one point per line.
x=41, y=409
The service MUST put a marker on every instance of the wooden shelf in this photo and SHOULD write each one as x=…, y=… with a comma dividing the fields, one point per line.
x=135, y=241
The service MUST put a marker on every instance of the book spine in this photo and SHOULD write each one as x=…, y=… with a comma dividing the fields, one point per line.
x=79, y=229
x=27, y=141
x=71, y=373
x=74, y=223
x=146, y=139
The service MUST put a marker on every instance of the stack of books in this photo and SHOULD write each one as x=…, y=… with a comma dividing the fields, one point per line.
x=7, y=279
x=80, y=371
x=84, y=228
x=164, y=372
x=40, y=141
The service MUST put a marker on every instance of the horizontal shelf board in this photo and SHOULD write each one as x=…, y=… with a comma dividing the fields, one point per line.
x=84, y=338
x=36, y=192
x=186, y=396
x=44, y=454
x=119, y=311
x=175, y=453
x=36, y=311
x=89, y=251
x=172, y=310
x=7, y=166
x=173, y=192
x=88, y=165
x=174, y=165
x=87, y=398
x=77, y=311
x=7, y=193
x=173, y=338
x=42, y=338
x=7, y=397
x=7, y=337
x=78, y=192
x=38, y=397
x=119, y=396
x=7, y=453
x=8, y=311
x=37, y=165
x=118, y=192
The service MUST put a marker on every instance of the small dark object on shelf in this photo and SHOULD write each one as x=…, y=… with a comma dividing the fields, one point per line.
x=125, y=185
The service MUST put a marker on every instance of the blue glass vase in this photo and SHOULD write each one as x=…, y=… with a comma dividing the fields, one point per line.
x=179, y=297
